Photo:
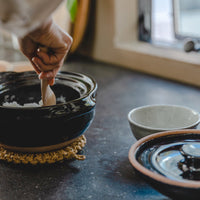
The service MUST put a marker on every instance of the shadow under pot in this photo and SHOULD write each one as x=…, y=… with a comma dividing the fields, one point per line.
x=34, y=129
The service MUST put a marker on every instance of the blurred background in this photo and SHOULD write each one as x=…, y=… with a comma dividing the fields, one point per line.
x=123, y=32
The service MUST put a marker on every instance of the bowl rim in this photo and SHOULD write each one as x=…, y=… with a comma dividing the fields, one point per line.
x=155, y=176
x=165, y=128
x=33, y=73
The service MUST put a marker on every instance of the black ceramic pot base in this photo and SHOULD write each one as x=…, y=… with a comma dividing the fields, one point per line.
x=65, y=153
x=39, y=149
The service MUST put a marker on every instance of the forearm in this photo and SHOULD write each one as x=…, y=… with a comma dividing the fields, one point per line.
x=23, y=16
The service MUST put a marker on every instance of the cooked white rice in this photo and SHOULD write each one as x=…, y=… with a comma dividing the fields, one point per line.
x=15, y=104
x=61, y=99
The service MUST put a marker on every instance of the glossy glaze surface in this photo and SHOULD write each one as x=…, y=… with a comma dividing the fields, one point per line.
x=49, y=125
x=160, y=161
x=165, y=157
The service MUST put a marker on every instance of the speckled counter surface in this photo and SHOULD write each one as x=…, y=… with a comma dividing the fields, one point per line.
x=106, y=173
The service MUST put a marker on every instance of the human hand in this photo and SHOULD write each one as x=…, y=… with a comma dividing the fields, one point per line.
x=46, y=48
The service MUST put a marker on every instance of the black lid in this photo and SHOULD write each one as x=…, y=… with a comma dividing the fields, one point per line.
x=170, y=162
x=176, y=157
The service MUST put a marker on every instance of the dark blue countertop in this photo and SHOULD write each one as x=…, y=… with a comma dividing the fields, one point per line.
x=106, y=172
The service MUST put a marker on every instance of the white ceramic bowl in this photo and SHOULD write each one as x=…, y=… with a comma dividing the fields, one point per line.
x=150, y=119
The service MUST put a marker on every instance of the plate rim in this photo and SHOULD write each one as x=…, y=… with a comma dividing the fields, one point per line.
x=152, y=175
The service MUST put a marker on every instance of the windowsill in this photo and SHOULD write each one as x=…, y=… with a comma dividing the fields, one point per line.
x=164, y=62
x=160, y=52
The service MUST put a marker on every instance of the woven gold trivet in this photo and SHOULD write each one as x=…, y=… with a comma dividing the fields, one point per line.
x=67, y=153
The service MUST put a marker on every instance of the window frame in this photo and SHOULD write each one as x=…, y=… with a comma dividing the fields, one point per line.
x=144, y=20
x=176, y=19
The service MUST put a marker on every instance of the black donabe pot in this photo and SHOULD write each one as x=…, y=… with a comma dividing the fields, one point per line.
x=34, y=128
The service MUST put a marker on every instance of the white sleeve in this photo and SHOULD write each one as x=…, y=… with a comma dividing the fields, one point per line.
x=23, y=16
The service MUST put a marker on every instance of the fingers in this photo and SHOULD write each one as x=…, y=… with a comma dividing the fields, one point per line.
x=43, y=66
x=44, y=75
x=37, y=69
x=48, y=59
x=47, y=75
x=51, y=81
x=46, y=71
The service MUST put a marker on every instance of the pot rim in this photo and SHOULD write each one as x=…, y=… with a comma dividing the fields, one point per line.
x=65, y=73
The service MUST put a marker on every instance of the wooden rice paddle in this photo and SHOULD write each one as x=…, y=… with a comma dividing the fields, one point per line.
x=48, y=96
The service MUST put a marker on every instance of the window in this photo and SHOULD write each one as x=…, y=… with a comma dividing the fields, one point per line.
x=162, y=21
x=115, y=40
x=187, y=18
x=169, y=22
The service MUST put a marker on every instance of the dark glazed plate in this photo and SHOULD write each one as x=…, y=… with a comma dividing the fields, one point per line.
x=170, y=162
x=44, y=128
